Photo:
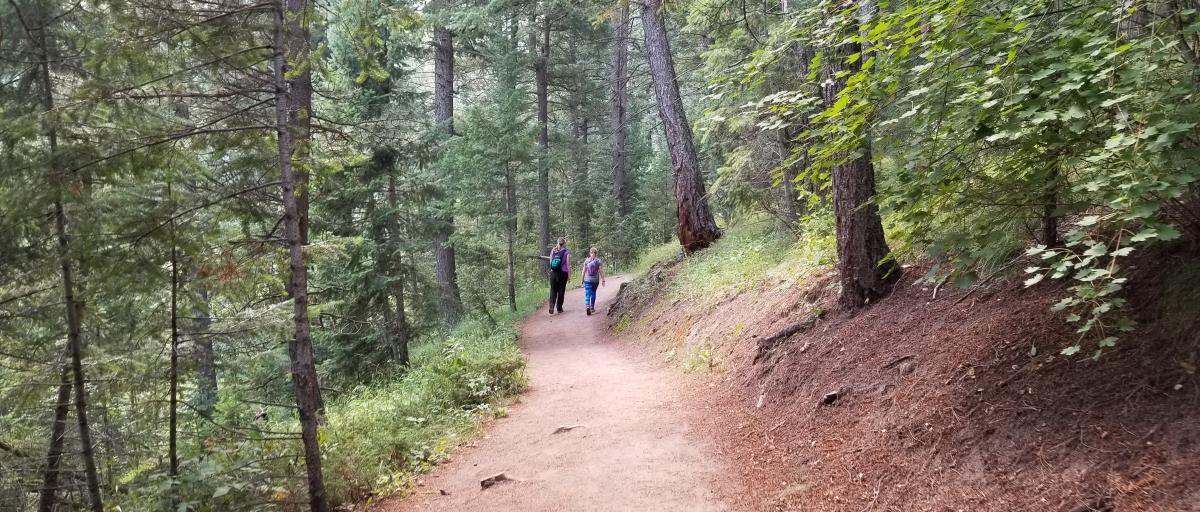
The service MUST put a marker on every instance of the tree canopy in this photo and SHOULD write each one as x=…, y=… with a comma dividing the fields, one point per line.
x=224, y=224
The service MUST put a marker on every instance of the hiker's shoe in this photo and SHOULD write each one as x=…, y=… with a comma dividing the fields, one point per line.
x=560, y=311
x=551, y=311
x=589, y=311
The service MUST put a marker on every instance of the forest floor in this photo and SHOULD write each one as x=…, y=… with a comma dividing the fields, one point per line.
x=930, y=401
x=604, y=426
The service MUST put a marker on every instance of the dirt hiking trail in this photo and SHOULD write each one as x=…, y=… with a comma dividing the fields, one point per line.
x=633, y=447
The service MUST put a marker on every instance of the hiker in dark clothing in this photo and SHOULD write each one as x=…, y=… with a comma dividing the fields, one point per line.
x=560, y=269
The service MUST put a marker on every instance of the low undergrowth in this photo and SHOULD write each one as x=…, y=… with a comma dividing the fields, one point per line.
x=381, y=436
x=749, y=255
x=377, y=437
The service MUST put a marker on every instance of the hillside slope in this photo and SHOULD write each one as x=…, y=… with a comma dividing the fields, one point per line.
x=931, y=399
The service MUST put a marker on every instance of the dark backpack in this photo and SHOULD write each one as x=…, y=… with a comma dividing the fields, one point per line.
x=556, y=259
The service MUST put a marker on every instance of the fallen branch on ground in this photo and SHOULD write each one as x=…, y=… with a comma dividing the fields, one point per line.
x=765, y=345
x=565, y=428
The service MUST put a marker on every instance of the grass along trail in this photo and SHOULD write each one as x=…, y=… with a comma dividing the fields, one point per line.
x=633, y=447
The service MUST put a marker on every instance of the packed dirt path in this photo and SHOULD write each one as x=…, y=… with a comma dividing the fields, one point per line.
x=633, y=447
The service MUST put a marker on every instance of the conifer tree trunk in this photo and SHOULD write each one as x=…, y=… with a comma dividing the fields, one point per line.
x=510, y=233
x=696, y=227
x=583, y=195
x=797, y=150
x=1049, y=234
x=293, y=109
x=173, y=426
x=443, y=79
x=399, y=323
x=789, y=209
x=206, y=356
x=74, y=346
x=38, y=27
x=450, y=298
x=541, y=82
x=618, y=102
x=48, y=494
x=861, y=248
x=581, y=186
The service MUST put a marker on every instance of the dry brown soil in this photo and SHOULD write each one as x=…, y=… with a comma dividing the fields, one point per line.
x=633, y=447
x=947, y=400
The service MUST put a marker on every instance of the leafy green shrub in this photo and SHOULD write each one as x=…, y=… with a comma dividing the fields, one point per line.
x=376, y=438
x=382, y=435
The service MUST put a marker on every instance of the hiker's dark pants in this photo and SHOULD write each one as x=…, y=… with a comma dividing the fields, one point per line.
x=558, y=289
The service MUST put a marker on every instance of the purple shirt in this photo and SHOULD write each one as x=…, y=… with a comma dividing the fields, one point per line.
x=566, y=257
x=591, y=270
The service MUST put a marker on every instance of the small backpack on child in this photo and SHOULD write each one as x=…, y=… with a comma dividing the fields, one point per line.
x=591, y=269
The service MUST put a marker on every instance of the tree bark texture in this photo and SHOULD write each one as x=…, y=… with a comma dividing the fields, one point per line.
x=1049, y=234
x=445, y=267
x=75, y=347
x=510, y=233
x=301, y=91
x=206, y=356
x=399, y=323
x=789, y=208
x=618, y=103
x=293, y=108
x=173, y=422
x=450, y=297
x=581, y=182
x=59, y=179
x=48, y=494
x=583, y=191
x=696, y=227
x=861, y=248
x=541, y=82
x=443, y=79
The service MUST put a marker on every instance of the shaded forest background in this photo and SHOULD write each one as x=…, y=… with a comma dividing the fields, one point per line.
x=263, y=255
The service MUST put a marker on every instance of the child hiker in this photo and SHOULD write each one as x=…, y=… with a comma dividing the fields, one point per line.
x=593, y=277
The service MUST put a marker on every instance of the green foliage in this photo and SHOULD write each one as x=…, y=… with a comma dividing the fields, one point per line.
x=1070, y=119
x=1057, y=136
x=381, y=435
x=656, y=254
x=993, y=127
x=378, y=435
x=700, y=359
x=747, y=257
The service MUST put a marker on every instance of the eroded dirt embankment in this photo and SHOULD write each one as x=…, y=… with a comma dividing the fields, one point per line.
x=942, y=399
